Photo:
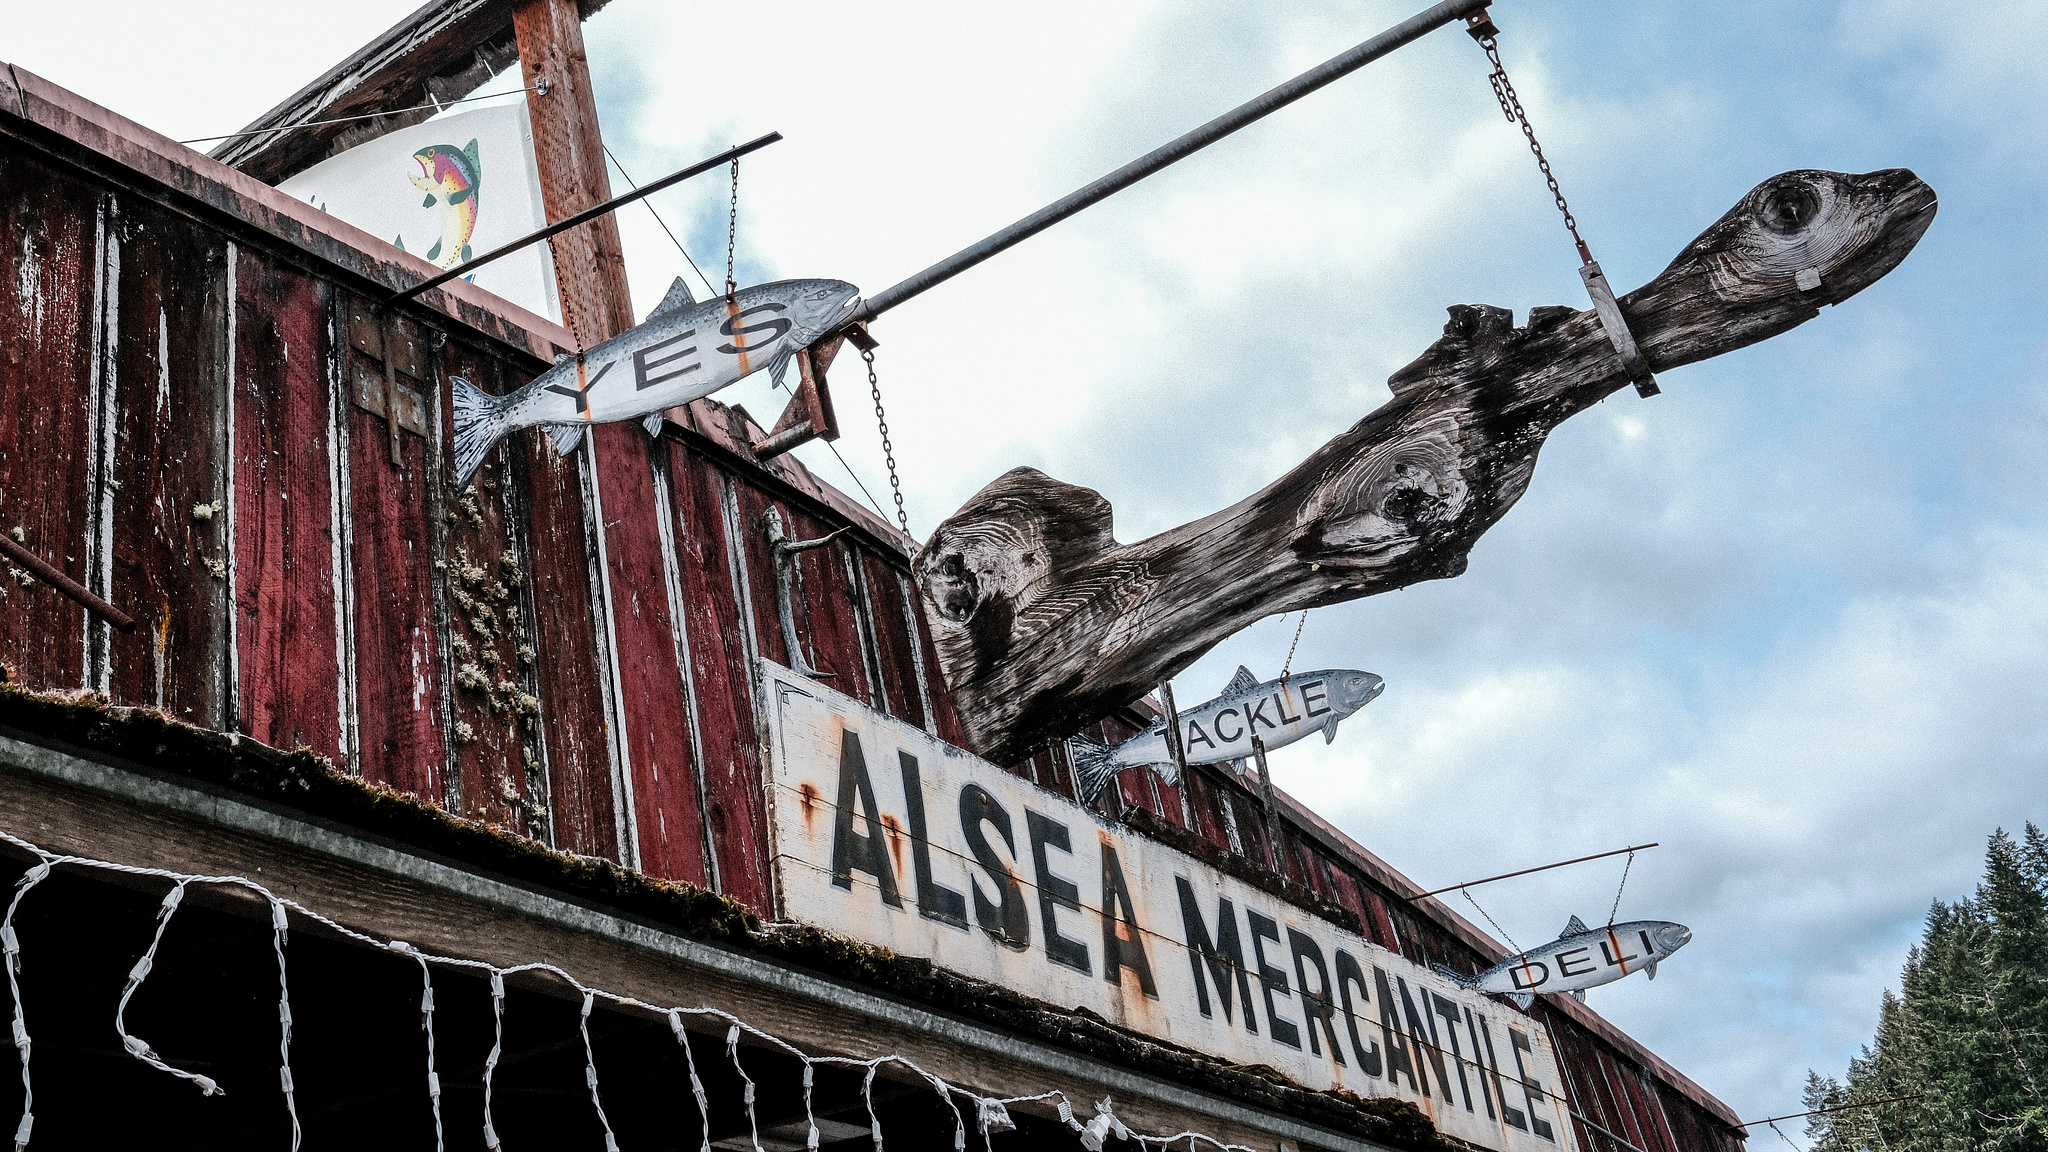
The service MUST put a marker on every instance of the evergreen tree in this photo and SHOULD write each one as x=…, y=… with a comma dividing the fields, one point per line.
x=1968, y=1028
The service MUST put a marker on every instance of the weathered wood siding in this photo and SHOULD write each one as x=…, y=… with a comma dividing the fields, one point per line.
x=564, y=649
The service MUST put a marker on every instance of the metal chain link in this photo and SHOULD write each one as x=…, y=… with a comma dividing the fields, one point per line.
x=1287, y=665
x=1616, y=910
x=1490, y=920
x=1511, y=107
x=888, y=449
x=732, y=232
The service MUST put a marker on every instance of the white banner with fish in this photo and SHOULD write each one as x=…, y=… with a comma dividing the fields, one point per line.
x=883, y=833
x=446, y=190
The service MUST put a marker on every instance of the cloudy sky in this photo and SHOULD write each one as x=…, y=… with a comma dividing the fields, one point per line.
x=1789, y=619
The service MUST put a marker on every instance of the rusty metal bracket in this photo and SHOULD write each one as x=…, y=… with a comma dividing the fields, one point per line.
x=49, y=574
x=784, y=550
x=809, y=415
x=372, y=335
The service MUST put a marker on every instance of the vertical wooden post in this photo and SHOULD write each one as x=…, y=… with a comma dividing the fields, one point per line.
x=590, y=265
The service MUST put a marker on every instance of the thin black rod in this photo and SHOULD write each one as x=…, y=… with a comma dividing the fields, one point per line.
x=1526, y=871
x=587, y=215
x=1409, y=30
x=1834, y=1108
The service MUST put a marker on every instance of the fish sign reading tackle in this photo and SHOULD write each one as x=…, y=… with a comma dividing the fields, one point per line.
x=1579, y=959
x=683, y=351
x=882, y=833
x=1278, y=712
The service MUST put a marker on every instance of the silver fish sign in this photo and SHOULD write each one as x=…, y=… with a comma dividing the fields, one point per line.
x=1579, y=959
x=1278, y=712
x=682, y=351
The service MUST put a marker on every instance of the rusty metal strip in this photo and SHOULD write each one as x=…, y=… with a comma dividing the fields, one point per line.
x=49, y=574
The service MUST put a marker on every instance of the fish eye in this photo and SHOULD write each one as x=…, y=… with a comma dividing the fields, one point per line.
x=1789, y=207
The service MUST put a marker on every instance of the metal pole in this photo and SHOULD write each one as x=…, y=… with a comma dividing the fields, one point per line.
x=49, y=574
x=1266, y=802
x=1526, y=871
x=1406, y=32
x=1179, y=754
x=586, y=216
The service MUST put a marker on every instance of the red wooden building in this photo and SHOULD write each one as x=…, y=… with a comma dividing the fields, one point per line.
x=561, y=657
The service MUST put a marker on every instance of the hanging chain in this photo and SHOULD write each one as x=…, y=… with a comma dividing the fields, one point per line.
x=888, y=449
x=1288, y=664
x=1490, y=920
x=1616, y=910
x=1511, y=107
x=732, y=232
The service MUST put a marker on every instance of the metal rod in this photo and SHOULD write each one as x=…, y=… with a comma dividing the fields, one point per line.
x=586, y=216
x=1180, y=757
x=49, y=574
x=1408, y=31
x=1835, y=1108
x=1266, y=802
x=1604, y=1132
x=1526, y=871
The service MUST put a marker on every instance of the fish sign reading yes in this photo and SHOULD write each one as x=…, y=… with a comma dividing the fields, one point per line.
x=683, y=351
x=884, y=834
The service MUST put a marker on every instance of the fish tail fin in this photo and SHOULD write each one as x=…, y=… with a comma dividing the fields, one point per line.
x=1456, y=977
x=1094, y=766
x=478, y=427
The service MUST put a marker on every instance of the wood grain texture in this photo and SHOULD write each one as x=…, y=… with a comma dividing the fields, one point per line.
x=572, y=663
x=722, y=670
x=170, y=460
x=1046, y=622
x=590, y=265
x=283, y=578
x=652, y=703
x=401, y=693
x=487, y=613
x=49, y=235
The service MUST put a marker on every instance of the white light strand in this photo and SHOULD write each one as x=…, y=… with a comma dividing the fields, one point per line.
x=497, y=1046
x=991, y=1114
x=732, y=1051
x=611, y=1143
x=12, y=944
x=136, y=975
x=427, y=1024
x=278, y=926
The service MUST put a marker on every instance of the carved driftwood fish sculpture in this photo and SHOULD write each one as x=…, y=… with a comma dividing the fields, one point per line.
x=1278, y=712
x=681, y=352
x=1580, y=958
x=1045, y=623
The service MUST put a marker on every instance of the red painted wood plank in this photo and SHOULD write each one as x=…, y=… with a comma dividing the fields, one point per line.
x=895, y=643
x=48, y=245
x=751, y=506
x=731, y=760
x=170, y=459
x=828, y=607
x=284, y=580
x=401, y=721
x=494, y=709
x=657, y=719
x=571, y=666
x=944, y=715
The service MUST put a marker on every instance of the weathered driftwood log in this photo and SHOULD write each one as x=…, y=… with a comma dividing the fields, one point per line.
x=1045, y=623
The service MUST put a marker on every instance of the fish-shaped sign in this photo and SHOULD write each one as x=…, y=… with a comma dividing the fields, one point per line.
x=682, y=351
x=450, y=177
x=1278, y=712
x=1579, y=959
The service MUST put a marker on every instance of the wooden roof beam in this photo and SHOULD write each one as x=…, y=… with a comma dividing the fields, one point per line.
x=443, y=51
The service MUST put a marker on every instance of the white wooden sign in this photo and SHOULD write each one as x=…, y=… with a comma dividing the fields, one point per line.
x=884, y=834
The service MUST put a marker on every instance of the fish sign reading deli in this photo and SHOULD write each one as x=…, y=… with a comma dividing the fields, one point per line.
x=885, y=834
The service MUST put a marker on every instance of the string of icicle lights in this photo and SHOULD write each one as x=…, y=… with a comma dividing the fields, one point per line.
x=991, y=1114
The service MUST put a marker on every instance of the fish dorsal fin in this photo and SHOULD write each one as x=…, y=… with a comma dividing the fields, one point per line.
x=476, y=168
x=1573, y=927
x=1244, y=681
x=677, y=299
